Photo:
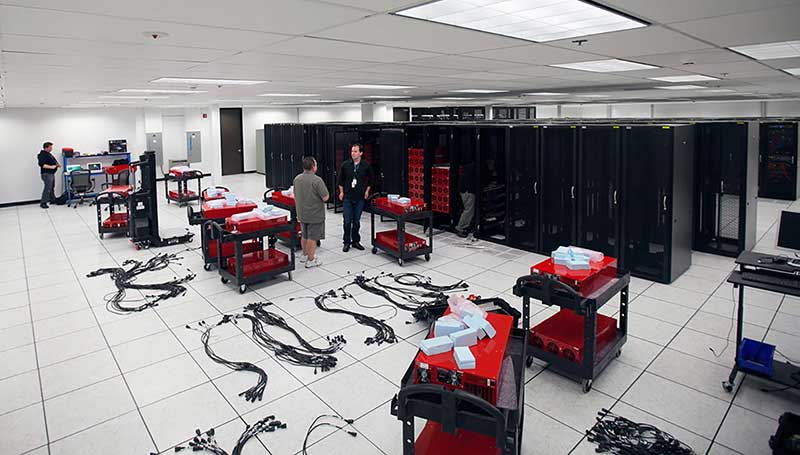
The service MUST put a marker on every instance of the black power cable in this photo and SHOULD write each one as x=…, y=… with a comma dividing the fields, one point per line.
x=253, y=393
x=206, y=442
x=384, y=333
x=340, y=424
x=125, y=279
x=618, y=435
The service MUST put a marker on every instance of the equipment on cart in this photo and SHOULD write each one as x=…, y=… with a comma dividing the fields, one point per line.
x=400, y=206
x=143, y=209
x=584, y=281
x=285, y=200
x=562, y=334
x=213, y=193
x=218, y=210
x=182, y=175
x=397, y=242
x=434, y=441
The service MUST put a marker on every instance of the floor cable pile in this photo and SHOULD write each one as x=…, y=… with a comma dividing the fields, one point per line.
x=206, y=442
x=328, y=420
x=618, y=435
x=125, y=278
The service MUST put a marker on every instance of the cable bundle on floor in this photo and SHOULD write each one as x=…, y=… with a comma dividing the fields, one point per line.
x=340, y=424
x=306, y=354
x=125, y=279
x=206, y=442
x=384, y=333
x=615, y=434
x=253, y=393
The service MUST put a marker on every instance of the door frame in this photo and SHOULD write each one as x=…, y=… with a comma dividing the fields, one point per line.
x=241, y=136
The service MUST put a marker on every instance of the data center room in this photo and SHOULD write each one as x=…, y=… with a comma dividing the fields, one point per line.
x=397, y=227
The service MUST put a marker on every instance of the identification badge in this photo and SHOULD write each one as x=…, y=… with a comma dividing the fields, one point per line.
x=353, y=184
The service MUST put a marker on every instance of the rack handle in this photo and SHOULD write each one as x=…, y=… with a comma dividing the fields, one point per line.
x=615, y=197
x=535, y=187
x=572, y=191
x=722, y=186
x=664, y=202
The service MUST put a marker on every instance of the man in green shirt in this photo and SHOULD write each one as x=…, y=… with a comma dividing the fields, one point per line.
x=310, y=196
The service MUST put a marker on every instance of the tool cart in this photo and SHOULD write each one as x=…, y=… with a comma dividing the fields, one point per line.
x=397, y=242
x=208, y=240
x=212, y=193
x=113, y=199
x=577, y=341
x=244, y=268
x=464, y=422
x=279, y=199
x=182, y=175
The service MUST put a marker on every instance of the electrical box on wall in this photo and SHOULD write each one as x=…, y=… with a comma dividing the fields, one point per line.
x=193, y=147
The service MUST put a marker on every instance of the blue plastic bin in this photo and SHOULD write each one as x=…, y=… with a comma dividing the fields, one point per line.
x=755, y=357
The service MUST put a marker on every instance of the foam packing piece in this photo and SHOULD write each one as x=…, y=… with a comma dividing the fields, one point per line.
x=466, y=337
x=481, y=325
x=438, y=345
x=444, y=326
x=464, y=358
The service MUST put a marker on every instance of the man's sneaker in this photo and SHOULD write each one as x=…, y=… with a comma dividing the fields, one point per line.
x=313, y=263
x=303, y=258
x=358, y=246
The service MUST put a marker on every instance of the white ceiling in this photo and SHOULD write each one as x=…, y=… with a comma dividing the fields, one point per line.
x=58, y=53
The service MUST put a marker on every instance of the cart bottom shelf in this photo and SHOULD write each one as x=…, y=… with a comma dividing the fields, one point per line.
x=434, y=441
x=388, y=239
x=259, y=262
x=183, y=196
x=116, y=221
x=229, y=248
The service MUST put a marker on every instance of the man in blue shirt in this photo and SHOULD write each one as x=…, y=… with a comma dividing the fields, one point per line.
x=355, y=178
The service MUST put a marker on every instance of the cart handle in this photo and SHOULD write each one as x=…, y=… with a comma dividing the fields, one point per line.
x=548, y=285
x=453, y=402
x=269, y=192
x=504, y=307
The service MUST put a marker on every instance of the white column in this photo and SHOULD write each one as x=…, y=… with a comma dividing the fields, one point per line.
x=215, y=150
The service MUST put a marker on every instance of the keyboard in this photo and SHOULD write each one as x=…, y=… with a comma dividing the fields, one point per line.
x=771, y=278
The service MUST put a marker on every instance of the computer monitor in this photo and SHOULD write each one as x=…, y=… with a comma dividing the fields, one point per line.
x=789, y=234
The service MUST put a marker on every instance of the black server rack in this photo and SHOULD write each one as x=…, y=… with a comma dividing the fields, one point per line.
x=523, y=187
x=339, y=138
x=492, y=197
x=559, y=145
x=778, y=161
x=598, y=209
x=463, y=156
x=657, y=176
x=437, y=161
x=269, y=158
x=284, y=147
x=392, y=160
x=726, y=187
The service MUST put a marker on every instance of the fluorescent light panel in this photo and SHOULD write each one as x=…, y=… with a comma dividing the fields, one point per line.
x=387, y=97
x=478, y=90
x=199, y=81
x=687, y=78
x=289, y=95
x=134, y=97
x=532, y=20
x=453, y=98
x=158, y=90
x=606, y=66
x=377, y=86
x=769, y=51
x=545, y=94
x=793, y=71
x=323, y=101
x=680, y=87
x=719, y=90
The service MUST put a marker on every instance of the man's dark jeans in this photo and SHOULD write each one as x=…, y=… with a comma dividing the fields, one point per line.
x=352, y=220
x=48, y=195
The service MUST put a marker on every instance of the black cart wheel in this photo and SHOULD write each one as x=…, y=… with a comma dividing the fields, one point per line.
x=587, y=385
x=319, y=242
x=619, y=353
x=400, y=261
x=101, y=235
x=374, y=250
x=529, y=361
x=223, y=279
x=207, y=267
x=727, y=386
x=242, y=288
x=428, y=257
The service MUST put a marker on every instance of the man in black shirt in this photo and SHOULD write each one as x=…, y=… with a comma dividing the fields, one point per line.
x=48, y=165
x=466, y=187
x=355, y=178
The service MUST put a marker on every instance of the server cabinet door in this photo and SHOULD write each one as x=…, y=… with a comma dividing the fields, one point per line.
x=778, y=161
x=492, y=196
x=269, y=151
x=342, y=140
x=647, y=171
x=393, y=160
x=298, y=152
x=287, y=147
x=558, y=187
x=598, y=189
x=523, y=213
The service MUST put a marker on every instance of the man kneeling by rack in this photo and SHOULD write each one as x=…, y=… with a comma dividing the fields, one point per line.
x=310, y=195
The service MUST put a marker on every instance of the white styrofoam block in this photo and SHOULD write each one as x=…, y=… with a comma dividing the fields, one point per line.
x=438, y=345
x=466, y=337
x=464, y=358
x=445, y=326
x=474, y=323
x=482, y=325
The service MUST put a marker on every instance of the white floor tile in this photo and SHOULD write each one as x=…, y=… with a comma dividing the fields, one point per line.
x=746, y=431
x=20, y=391
x=17, y=360
x=69, y=346
x=174, y=375
x=24, y=430
x=393, y=362
x=78, y=372
x=563, y=399
x=147, y=351
x=550, y=436
x=17, y=336
x=374, y=390
x=124, y=435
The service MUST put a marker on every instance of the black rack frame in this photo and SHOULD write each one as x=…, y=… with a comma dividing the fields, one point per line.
x=111, y=199
x=239, y=278
x=183, y=187
x=552, y=292
x=295, y=239
x=401, y=254
x=206, y=235
x=456, y=409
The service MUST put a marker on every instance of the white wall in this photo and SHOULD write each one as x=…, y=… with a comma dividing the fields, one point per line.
x=732, y=109
x=173, y=137
x=22, y=132
x=706, y=109
x=630, y=110
x=194, y=121
x=783, y=108
x=254, y=119
x=330, y=114
x=546, y=111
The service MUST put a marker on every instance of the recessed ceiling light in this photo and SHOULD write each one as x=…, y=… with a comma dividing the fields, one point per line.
x=288, y=95
x=478, y=90
x=591, y=95
x=158, y=90
x=718, y=90
x=769, y=51
x=386, y=97
x=606, y=66
x=532, y=20
x=453, y=98
x=680, y=87
x=377, y=86
x=687, y=78
x=323, y=101
x=793, y=71
x=128, y=97
x=182, y=80
x=101, y=103
x=545, y=94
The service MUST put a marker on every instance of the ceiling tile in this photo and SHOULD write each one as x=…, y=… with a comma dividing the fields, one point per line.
x=768, y=26
x=402, y=32
x=536, y=54
x=458, y=62
x=699, y=57
x=642, y=41
x=288, y=61
x=733, y=68
x=681, y=10
x=319, y=47
x=377, y=5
